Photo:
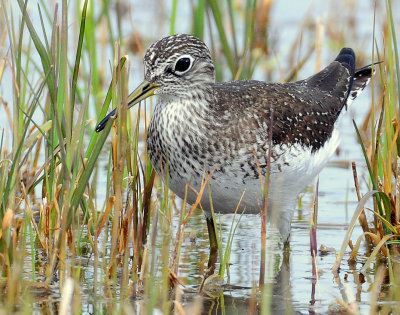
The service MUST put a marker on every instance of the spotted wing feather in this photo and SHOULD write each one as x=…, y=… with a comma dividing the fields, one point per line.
x=304, y=112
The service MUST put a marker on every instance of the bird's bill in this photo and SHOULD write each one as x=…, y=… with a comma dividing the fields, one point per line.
x=143, y=91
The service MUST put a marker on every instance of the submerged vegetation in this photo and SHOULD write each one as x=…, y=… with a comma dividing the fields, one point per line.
x=85, y=220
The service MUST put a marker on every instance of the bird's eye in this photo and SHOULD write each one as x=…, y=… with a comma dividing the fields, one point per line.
x=183, y=64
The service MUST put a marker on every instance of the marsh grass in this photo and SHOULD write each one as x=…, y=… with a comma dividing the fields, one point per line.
x=57, y=219
x=381, y=152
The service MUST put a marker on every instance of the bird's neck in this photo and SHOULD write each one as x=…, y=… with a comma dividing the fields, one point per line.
x=195, y=101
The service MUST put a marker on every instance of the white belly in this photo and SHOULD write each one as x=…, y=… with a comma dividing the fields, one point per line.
x=298, y=168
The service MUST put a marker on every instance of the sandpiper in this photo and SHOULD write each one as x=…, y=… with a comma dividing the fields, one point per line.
x=238, y=130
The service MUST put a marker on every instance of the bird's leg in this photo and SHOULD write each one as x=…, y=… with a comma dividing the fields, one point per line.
x=213, y=246
x=286, y=250
x=286, y=244
x=212, y=259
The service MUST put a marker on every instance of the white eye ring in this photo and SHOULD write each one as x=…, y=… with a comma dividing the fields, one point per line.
x=183, y=64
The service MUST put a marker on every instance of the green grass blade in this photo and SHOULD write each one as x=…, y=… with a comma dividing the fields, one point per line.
x=222, y=35
x=385, y=221
x=78, y=54
x=395, y=48
x=103, y=112
x=84, y=178
x=198, y=24
x=44, y=57
x=373, y=180
x=173, y=17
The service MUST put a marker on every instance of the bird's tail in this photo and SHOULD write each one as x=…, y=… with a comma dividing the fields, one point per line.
x=362, y=76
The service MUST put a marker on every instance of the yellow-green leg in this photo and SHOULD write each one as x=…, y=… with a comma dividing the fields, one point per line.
x=213, y=246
